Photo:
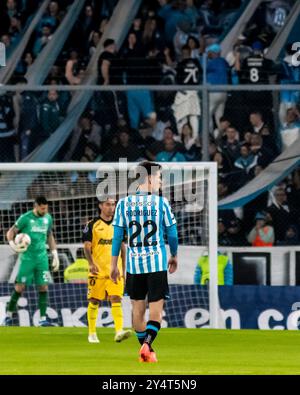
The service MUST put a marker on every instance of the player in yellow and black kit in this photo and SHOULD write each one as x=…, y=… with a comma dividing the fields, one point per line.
x=97, y=239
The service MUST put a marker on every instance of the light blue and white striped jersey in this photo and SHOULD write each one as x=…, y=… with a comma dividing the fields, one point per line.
x=144, y=217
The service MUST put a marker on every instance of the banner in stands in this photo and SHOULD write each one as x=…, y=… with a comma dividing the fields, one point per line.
x=243, y=307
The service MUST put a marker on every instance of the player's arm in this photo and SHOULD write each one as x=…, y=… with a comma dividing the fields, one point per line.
x=172, y=235
x=10, y=235
x=87, y=247
x=118, y=237
x=87, y=238
x=115, y=252
x=53, y=249
x=123, y=258
x=105, y=71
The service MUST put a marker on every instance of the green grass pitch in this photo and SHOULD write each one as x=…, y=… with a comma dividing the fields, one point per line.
x=180, y=351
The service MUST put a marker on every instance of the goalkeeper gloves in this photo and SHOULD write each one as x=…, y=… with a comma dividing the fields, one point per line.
x=55, y=261
x=17, y=248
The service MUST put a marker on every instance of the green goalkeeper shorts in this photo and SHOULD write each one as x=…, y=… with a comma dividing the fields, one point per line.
x=34, y=270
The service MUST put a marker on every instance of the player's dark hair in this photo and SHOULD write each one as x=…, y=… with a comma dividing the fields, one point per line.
x=108, y=42
x=39, y=200
x=150, y=167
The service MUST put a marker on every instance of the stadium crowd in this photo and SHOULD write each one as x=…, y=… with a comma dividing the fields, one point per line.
x=170, y=42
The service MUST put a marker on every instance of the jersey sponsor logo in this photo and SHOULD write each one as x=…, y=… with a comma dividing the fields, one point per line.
x=39, y=229
x=105, y=241
x=143, y=254
x=133, y=204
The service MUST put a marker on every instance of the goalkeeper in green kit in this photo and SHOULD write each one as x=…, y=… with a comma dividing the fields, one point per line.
x=34, y=266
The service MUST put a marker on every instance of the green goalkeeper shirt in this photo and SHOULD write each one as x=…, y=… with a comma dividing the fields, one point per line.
x=38, y=229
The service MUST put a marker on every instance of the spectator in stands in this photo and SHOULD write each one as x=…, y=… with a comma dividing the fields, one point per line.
x=143, y=138
x=225, y=270
x=170, y=154
x=229, y=225
x=64, y=97
x=15, y=27
x=86, y=132
x=258, y=124
x=186, y=106
x=93, y=42
x=42, y=41
x=191, y=144
x=189, y=71
x=230, y=147
x=108, y=68
x=264, y=154
x=194, y=46
x=159, y=146
x=208, y=20
x=158, y=125
x=50, y=115
x=124, y=149
x=172, y=13
x=293, y=192
x=87, y=23
x=262, y=235
x=7, y=129
x=139, y=102
x=223, y=165
x=11, y=8
x=6, y=40
x=291, y=237
x=77, y=272
x=246, y=161
x=281, y=214
x=181, y=37
x=256, y=69
x=289, y=74
x=151, y=35
x=72, y=68
x=26, y=107
x=25, y=63
x=219, y=133
x=109, y=73
x=290, y=130
x=53, y=16
x=217, y=71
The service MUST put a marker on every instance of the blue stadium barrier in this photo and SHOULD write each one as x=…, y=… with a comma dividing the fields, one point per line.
x=245, y=307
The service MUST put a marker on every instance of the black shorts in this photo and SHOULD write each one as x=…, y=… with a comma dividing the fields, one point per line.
x=154, y=285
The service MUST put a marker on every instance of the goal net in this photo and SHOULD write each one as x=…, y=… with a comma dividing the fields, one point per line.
x=72, y=190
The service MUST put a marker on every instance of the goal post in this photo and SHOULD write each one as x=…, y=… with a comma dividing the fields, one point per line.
x=72, y=190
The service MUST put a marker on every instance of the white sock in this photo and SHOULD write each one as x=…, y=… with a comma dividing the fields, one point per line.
x=43, y=318
x=9, y=314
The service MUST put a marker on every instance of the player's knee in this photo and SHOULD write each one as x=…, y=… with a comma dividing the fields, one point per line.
x=115, y=299
x=94, y=301
x=138, y=314
x=43, y=288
